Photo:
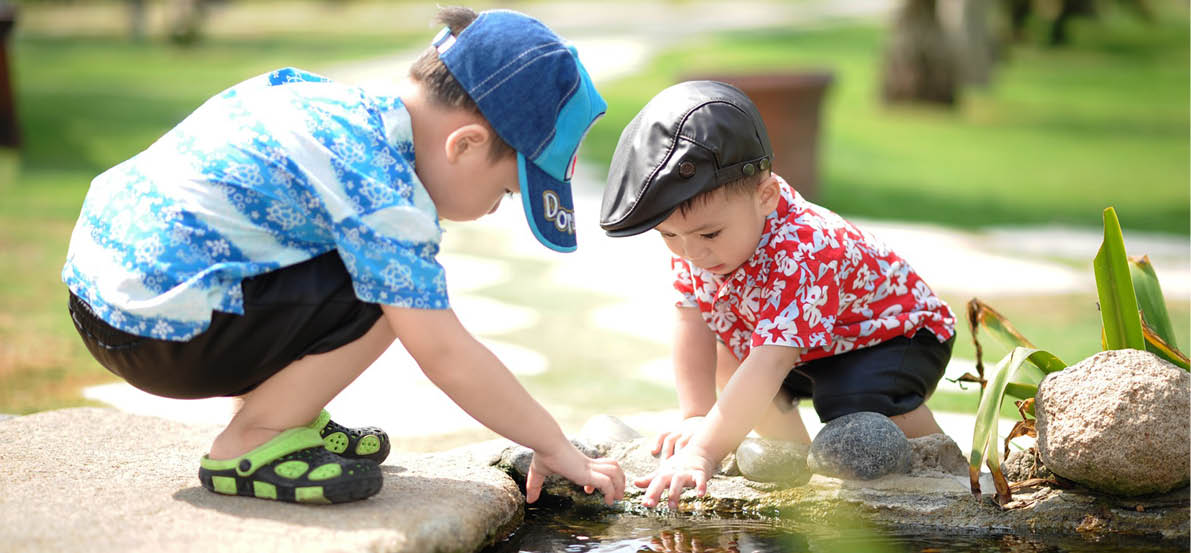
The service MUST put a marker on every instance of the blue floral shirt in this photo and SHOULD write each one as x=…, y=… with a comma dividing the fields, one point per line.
x=271, y=172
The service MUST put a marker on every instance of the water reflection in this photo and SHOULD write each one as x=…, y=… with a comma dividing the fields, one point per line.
x=548, y=531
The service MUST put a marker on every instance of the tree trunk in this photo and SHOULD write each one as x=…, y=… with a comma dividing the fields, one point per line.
x=136, y=20
x=965, y=23
x=186, y=25
x=920, y=66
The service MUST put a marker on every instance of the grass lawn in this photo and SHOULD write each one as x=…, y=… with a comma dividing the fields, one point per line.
x=1054, y=140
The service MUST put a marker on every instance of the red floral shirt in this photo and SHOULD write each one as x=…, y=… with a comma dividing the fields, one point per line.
x=816, y=282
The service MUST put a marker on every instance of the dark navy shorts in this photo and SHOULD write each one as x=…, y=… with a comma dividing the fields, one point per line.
x=289, y=313
x=891, y=378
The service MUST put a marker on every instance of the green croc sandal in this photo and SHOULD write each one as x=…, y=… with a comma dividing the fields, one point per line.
x=294, y=466
x=368, y=442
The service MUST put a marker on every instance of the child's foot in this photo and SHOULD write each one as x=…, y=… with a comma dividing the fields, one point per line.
x=294, y=466
x=368, y=442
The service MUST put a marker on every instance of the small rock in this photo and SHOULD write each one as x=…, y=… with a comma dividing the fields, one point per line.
x=603, y=431
x=936, y=453
x=763, y=460
x=729, y=467
x=1023, y=465
x=1117, y=422
x=860, y=446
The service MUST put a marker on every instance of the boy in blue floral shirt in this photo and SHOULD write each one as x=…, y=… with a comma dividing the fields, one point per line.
x=282, y=236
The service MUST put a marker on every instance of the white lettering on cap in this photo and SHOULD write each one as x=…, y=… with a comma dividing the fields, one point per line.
x=563, y=219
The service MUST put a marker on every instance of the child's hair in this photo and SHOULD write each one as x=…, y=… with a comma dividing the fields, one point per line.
x=745, y=185
x=442, y=87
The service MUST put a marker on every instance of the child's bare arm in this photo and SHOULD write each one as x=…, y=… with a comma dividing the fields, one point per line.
x=479, y=383
x=739, y=408
x=694, y=378
x=694, y=363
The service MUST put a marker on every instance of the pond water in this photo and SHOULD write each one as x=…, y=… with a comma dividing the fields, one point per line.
x=552, y=531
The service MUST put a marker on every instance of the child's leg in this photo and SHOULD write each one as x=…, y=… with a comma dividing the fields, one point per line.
x=917, y=423
x=295, y=395
x=777, y=423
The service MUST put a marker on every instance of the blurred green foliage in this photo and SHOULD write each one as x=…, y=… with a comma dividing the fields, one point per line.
x=1060, y=134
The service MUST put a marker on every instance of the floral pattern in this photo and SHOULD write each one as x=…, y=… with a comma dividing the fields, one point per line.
x=815, y=282
x=269, y=173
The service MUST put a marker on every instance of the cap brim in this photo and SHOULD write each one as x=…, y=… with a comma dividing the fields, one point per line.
x=548, y=206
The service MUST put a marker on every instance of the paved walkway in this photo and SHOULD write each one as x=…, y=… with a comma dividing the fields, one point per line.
x=1004, y=261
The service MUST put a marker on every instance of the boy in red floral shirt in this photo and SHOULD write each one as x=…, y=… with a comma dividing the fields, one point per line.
x=781, y=299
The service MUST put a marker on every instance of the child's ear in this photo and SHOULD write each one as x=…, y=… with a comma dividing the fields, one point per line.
x=466, y=140
x=769, y=193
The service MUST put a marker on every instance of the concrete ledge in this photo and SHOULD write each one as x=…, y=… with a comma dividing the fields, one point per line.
x=101, y=480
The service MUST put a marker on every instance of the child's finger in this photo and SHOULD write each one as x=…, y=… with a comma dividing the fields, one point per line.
x=657, y=446
x=644, y=481
x=668, y=448
x=533, y=484
x=588, y=489
x=654, y=493
x=677, y=484
x=701, y=483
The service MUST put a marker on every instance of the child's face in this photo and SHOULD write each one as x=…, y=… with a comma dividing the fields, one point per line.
x=460, y=175
x=722, y=233
x=477, y=189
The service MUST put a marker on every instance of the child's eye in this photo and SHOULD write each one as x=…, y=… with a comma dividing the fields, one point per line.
x=710, y=235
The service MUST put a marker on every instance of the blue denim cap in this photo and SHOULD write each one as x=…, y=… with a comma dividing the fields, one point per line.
x=535, y=93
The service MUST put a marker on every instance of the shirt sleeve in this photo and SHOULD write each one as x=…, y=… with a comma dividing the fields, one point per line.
x=683, y=283
x=800, y=302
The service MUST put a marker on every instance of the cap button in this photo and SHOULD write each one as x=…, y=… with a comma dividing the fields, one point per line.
x=764, y=163
x=749, y=170
x=686, y=169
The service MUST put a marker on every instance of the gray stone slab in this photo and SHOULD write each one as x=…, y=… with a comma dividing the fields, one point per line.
x=101, y=480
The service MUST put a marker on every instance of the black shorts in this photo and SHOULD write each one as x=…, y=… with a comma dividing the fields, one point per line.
x=891, y=378
x=289, y=313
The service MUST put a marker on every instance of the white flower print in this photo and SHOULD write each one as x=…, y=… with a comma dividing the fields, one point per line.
x=397, y=276
x=148, y=250
x=284, y=216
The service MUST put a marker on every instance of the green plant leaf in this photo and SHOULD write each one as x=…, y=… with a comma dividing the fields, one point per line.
x=1020, y=371
x=982, y=316
x=1150, y=299
x=1157, y=346
x=1114, y=287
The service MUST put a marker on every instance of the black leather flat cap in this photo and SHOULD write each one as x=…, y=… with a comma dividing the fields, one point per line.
x=690, y=138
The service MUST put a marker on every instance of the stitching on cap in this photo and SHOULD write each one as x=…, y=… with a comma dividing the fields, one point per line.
x=510, y=75
x=557, y=109
x=500, y=69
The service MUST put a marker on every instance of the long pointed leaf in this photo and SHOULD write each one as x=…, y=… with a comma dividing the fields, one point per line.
x=982, y=316
x=1019, y=368
x=1150, y=299
x=1155, y=345
x=1118, y=303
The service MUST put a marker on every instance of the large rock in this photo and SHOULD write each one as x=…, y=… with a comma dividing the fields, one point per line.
x=101, y=480
x=1117, y=422
x=860, y=446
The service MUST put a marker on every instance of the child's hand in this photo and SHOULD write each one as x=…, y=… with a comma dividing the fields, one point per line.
x=602, y=474
x=670, y=442
x=688, y=469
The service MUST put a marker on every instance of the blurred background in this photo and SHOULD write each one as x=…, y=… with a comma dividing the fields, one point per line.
x=981, y=138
